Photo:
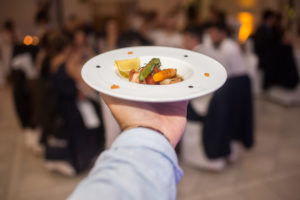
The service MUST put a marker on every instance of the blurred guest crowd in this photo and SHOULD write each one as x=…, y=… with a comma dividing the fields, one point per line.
x=64, y=120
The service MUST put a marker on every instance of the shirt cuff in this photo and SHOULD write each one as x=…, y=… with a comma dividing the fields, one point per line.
x=148, y=138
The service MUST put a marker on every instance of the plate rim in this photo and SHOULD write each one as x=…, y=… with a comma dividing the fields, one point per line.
x=110, y=92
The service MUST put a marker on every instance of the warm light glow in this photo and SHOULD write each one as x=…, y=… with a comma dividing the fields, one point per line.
x=247, y=3
x=35, y=40
x=246, y=20
x=27, y=40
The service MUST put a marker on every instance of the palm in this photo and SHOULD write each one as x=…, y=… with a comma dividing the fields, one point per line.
x=168, y=118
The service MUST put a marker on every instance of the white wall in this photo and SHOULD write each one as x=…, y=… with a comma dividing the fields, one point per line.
x=233, y=7
x=78, y=8
x=162, y=6
x=21, y=11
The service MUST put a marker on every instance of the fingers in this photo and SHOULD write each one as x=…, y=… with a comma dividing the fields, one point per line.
x=172, y=108
x=106, y=98
x=109, y=100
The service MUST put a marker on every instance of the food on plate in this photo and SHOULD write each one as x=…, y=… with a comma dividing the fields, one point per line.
x=206, y=74
x=144, y=72
x=164, y=74
x=114, y=86
x=151, y=73
x=125, y=66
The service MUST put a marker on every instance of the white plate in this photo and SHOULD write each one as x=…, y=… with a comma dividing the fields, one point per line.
x=100, y=73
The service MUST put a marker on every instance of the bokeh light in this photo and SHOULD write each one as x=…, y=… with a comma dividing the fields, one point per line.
x=35, y=40
x=246, y=20
x=27, y=40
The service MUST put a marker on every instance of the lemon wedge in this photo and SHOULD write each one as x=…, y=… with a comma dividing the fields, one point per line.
x=125, y=66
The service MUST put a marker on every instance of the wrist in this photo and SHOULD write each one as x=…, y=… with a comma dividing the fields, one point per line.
x=158, y=131
x=147, y=127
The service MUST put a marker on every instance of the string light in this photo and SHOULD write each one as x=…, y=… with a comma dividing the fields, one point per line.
x=35, y=41
x=31, y=40
x=27, y=40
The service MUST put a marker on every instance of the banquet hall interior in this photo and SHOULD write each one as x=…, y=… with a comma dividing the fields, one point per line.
x=241, y=142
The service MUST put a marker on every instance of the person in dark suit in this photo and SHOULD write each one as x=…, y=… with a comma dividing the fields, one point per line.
x=275, y=55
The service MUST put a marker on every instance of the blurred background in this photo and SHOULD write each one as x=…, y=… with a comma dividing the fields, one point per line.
x=242, y=142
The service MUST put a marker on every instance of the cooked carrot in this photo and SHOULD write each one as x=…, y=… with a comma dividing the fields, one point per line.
x=206, y=74
x=114, y=86
x=164, y=74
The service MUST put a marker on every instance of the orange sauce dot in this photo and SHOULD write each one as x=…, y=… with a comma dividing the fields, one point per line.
x=114, y=86
x=130, y=52
x=206, y=74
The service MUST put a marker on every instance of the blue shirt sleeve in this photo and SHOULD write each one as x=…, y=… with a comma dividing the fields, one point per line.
x=141, y=164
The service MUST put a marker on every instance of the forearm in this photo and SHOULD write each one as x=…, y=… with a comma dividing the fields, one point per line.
x=141, y=164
